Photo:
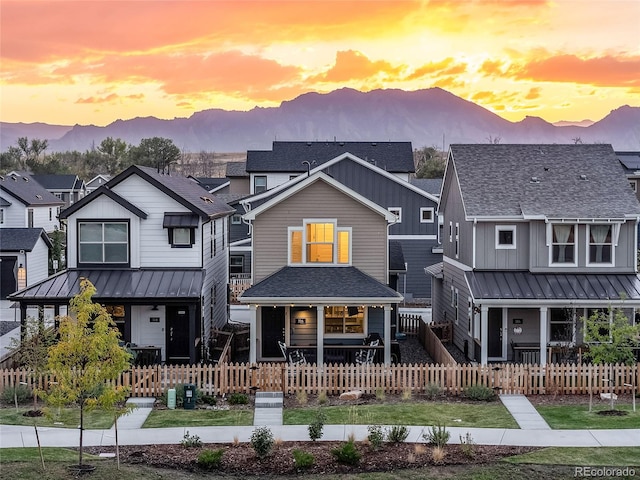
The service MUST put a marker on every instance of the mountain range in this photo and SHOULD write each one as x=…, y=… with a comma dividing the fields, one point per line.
x=429, y=117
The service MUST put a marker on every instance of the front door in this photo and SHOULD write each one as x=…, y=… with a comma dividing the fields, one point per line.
x=494, y=342
x=177, y=335
x=272, y=331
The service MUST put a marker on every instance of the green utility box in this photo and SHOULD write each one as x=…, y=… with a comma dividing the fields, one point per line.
x=189, y=396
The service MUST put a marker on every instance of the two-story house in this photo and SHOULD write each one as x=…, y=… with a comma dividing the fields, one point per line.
x=96, y=182
x=535, y=238
x=379, y=172
x=155, y=247
x=630, y=162
x=68, y=188
x=320, y=270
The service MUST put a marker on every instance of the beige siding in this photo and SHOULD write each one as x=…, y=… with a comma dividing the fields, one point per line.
x=320, y=200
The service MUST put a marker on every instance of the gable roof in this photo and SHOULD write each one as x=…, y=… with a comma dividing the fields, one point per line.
x=103, y=190
x=288, y=156
x=542, y=181
x=236, y=169
x=211, y=184
x=28, y=191
x=429, y=185
x=182, y=189
x=308, y=180
x=59, y=182
x=630, y=161
x=101, y=178
x=16, y=239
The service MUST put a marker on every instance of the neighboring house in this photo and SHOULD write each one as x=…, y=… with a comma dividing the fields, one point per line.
x=68, y=188
x=416, y=228
x=286, y=160
x=24, y=203
x=239, y=179
x=213, y=184
x=96, y=182
x=536, y=237
x=155, y=247
x=631, y=164
x=24, y=261
x=320, y=272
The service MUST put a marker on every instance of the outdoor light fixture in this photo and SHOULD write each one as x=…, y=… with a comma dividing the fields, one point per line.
x=22, y=277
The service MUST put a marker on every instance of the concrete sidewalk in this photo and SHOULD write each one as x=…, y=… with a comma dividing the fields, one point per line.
x=524, y=413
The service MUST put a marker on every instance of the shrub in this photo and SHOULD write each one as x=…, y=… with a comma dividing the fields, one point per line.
x=467, y=445
x=380, y=395
x=190, y=441
x=432, y=391
x=210, y=459
x=262, y=441
x=316, y=426
x=438, y=436
x=301, y=397
x=322, y=397
x=209, y=400
x=479, y=393
x=437, y=454
x=302, y=459
x=406, y=394
x=347, y=453
x=238, y=399
x=376, y=436
x=21, y=392
x=397, y=433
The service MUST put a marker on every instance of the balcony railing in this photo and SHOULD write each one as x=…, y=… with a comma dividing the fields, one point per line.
x=238, y=283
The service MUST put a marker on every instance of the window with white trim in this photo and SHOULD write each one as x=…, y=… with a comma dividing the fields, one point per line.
x=1, y=216
x=320, y=242
x=563, y=244
x=344, y=320
x=427, y=215
x=455, y=306
x=259, y=184
x=505, y=237
x=600, y=244
x=397, y=211
x=236, y=219
x=561, y=326
x=450, y=232
x=103, y=242
x=634, y=185
x=457, y=240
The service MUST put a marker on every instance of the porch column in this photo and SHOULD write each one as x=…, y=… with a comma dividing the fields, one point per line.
x=387, y=334
x=192, y=334
x=253, y=333
x=484, y=334
x=543, y=336
x=320, y=335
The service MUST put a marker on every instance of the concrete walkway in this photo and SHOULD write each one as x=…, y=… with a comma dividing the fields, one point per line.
x=132, y=434
x=268, y=408
x=524, y=413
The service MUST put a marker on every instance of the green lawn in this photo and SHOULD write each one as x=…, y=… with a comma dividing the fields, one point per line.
x=586, y=456
x=63, y=418
x=493, y=415
x=198, y=418
x=578, y=416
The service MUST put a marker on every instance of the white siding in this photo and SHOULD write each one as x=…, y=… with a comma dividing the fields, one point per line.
x=37, y=263
x=15, y=215
x=273, y=179
x=144, y=332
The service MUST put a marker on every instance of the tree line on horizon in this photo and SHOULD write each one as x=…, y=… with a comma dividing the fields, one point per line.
x=113, y=155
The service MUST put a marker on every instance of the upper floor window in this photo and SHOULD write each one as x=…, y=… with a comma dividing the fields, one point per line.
x=426, y=215
x=397, y=211
x=505, y=237
x=30, y=217
x=634, y=185
x=103, y=242
x=600, y=244
x=259, y=183
x=236, y=264
x=563, y=244
x=457, y=240
x=181, y=237
x=1, y=216
x=320, y=242
x=236, y=219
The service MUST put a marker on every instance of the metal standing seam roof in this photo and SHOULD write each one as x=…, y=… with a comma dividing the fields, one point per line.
x=521, y=285
x=629, y=160
x=180, y=220
x=142, y=284
x=555, y=181
x=320, y=282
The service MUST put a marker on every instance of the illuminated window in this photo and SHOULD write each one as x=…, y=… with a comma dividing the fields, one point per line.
x=295, y=242
x=320, y=242
x=344, y=320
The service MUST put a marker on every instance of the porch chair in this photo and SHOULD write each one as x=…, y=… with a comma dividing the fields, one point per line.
x=366, y=355
x=295, y=357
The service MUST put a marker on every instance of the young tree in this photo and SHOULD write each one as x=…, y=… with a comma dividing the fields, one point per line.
x=87, y=359
x=611, y=340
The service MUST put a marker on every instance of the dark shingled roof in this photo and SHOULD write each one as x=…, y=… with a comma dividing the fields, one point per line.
x=209, y=183
x=58, y=182
x=320, y=282
x=28, y=191
x=522, y=285
x=16, y=239
x=396, y=257
x=429, y=185
x=236, y=169
x=554, y=181
x=394, y=157
x=143, y=284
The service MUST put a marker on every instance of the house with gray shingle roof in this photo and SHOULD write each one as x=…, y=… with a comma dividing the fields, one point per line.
x=155, y=246
x=535, y=238
x=320, y=271
x=68, y=188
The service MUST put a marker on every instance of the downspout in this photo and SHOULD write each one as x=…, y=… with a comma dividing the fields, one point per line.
x=473, y=239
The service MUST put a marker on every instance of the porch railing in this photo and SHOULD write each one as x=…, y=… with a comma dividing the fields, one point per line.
x=238, y=283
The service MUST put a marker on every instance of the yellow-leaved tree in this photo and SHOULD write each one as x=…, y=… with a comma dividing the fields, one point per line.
x=87, y=359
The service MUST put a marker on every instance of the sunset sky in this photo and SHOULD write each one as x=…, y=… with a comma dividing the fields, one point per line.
x=95, y=61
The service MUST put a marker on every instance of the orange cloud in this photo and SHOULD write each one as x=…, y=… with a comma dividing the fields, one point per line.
x=533, y=93
x=353, y=65
x=111, y=98
x=444, y=67
x=492, y=68
x=607, y=71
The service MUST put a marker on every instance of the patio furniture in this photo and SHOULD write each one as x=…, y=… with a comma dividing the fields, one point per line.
x=295, y=357
x=366, y=355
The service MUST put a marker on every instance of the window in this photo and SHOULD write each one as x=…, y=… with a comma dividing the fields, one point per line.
x=397, y=211
x=470, y=316
x=634, y=185
x=344, y=320
x=236, y=219
x=180, y=237
x=455, y=305
x=426, y=215
x=320, y=242
x=236, y=264
x=563, y=244
x=600, y=244
x=505, y=237
x=30, y=217
x=450, y=232
x=50, y=213
x=561, y=325
x=103, y=242
x=1, y=216
x=457, y=240
x=601, y=331
x=215, y=234
x=259, y=183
